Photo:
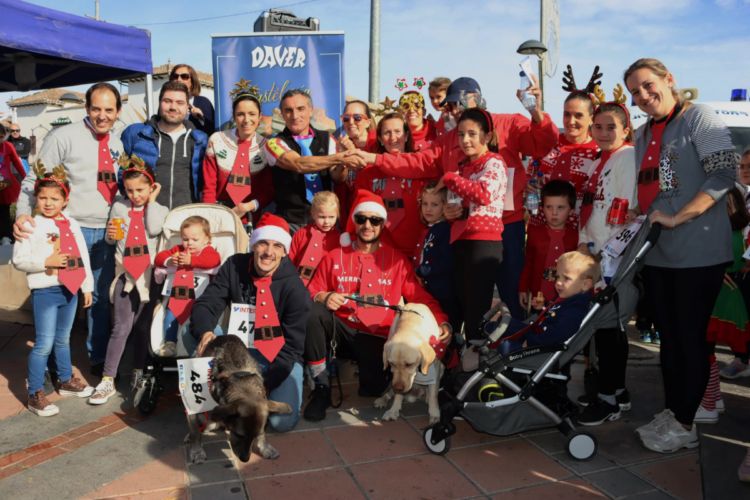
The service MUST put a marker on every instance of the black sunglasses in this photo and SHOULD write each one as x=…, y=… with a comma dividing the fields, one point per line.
x=13, y=130
x=176, y=76
x=357, y=118
x=360, y=220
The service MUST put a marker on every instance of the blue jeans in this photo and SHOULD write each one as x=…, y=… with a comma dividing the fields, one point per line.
x=289, y=392
x=514, y=240
x=54, y=311
x=171, y=326
x=99, y=317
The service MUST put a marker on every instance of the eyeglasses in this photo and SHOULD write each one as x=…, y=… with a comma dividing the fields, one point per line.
x=15, y=130
x=177, y=76
x=357, y=118
x=406, y=106
x=360, y=220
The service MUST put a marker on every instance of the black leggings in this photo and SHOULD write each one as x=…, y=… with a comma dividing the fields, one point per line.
x=476, y=264
x=643, y=309
x=365, y=349
x=683, y=300
x=6, y=225
x=612, y=348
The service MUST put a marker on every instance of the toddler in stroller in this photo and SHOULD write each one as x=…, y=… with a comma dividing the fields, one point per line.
x=228, y=236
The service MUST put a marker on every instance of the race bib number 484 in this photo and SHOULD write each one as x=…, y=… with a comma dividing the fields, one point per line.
x=195, y=384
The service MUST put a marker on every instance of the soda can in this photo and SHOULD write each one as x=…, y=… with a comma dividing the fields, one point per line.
x=120, y=226
x=617, y=212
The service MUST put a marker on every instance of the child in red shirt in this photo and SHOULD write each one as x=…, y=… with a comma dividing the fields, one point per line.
x=320, y=232
x=545, y=244
x=194, y=253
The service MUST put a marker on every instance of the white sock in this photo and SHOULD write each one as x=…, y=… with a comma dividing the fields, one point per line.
x=609, y=399
x=619, y=391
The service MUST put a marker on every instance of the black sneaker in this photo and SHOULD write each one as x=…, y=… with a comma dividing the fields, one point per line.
x=320, y=400
x=622, y=399
x=599, y=412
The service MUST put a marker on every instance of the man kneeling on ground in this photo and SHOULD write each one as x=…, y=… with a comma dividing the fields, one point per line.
x=367, y=269
x=267, y=281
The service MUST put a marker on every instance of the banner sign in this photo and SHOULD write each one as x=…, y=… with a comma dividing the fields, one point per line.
x=275, y=63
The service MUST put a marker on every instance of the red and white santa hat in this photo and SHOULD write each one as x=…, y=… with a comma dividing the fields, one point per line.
x=365, y=201
x=271, y=227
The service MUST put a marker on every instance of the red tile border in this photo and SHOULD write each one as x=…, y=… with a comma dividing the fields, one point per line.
x=84, y=429
x=112, y=428
x=13, y=458
x=111, y=419
x=9, y=471
x=41, y=457
x=45, y=445
x=82, y=441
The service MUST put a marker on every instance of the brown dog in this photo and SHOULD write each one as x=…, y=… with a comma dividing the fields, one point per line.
x=407, y=349
x=243, y=407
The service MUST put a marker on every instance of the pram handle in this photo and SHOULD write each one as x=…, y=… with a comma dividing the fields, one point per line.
x=653, y=234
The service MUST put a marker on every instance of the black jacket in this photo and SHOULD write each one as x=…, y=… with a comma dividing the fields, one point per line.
x=22, y=145
x=234, y=283
x=291, y=193
x=209, y=126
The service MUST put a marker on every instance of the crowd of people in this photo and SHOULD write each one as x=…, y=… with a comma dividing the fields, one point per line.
x=400, y=208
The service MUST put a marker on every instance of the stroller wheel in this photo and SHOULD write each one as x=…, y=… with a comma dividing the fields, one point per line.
x=439, y=448
x=581, y=445
x=148, y=400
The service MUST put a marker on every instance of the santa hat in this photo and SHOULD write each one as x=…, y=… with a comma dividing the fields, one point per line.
x=271, y=227
x=365, y=201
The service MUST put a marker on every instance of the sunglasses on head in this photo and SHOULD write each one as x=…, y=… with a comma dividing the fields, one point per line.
x=360, y=220
x=177, y=76
x=357, y=118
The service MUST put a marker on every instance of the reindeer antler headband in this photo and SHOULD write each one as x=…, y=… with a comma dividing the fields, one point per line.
x=570, y=82
x=130, y=163
x=59, y=176
x=244, y=89
x=619, y=99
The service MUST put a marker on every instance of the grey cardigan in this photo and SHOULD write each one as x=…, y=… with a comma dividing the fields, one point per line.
x=696, y=155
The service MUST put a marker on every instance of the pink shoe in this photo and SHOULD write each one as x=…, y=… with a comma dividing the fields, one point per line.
x=744, y=470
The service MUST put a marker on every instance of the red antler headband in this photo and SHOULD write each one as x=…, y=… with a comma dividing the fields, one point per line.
x=58, y=176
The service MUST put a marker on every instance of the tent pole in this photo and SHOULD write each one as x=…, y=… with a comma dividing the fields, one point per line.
x=149, y=96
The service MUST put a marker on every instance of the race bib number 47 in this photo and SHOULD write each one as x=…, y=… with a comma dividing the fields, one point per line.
x=242, y=323
x=195, y=384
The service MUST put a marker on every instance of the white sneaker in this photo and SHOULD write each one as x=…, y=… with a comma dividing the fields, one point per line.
x=703, y=416
x=168, y=350
x=104, y=391
x=671, y=436
x=136, y=380
x=744, y=470
x=720, y=407
x=650, y=427
x=6, y=241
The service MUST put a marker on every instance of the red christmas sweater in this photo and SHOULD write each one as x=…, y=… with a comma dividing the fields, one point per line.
x=539, y=271
x=482, y=184
x=424, y=137
x=302, y=238
x=340, y=272
x=406, y=234
x=566, y=161
x=346, y=192
x=208, y=258
x=517, y=135
x=8, y=160
x=223, y=148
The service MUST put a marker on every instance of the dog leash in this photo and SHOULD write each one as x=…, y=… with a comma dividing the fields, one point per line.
x=333, y=346
x=387, y=306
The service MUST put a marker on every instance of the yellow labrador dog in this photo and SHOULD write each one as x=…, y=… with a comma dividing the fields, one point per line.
x=406, y=351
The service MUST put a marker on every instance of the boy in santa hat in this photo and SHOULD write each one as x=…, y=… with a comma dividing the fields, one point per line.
x=267, y=280
x=366, y=267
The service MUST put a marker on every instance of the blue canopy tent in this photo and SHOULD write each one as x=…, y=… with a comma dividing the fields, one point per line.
x=41, y=48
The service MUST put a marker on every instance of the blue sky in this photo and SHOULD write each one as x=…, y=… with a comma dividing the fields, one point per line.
x=705, y=43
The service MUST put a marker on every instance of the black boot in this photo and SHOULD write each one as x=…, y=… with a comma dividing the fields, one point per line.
x=320, y=400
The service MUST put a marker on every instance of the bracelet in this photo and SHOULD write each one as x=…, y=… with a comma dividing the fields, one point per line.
x=673, y=224
x=325, y=302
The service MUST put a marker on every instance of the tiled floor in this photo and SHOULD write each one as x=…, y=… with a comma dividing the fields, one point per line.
x=351, y=454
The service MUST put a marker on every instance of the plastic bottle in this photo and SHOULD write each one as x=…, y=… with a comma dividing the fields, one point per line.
x=527, y=98
x=539, y=184
x=532, y=200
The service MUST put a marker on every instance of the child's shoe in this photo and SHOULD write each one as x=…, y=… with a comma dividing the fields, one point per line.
x=655, y=339
x=744, y=471
x=735, y=369
x=168, y=350
x=74, y=387
x=104, y=391
x=39, y=404
x=645, y=337
x=704, y=416
x=136, y=379
x=720, y=407
x=598, y=412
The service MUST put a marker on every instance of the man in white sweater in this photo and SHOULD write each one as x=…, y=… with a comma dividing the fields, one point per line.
x=89, y=153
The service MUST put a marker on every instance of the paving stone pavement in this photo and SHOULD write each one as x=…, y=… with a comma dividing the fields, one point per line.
x=111, y=452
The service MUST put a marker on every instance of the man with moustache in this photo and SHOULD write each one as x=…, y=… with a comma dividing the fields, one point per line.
x=267, y=281
x=172, y=145
x=89, y=152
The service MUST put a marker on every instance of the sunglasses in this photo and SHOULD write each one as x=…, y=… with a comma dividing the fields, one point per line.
x=360, y=220
x=357, y=118
x=14, y=130
x=177, y=76
x=407, y=106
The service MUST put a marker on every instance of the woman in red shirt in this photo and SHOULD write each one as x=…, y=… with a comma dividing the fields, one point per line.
x=400, y=195
x=9, y=186
x=423, y=131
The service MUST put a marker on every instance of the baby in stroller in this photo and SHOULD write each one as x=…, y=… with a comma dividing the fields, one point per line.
x=576, y=274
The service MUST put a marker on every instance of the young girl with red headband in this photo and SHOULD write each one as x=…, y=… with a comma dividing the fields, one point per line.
x=611, y=176
x=140, y=222
x=477, y=223
x=56, y=262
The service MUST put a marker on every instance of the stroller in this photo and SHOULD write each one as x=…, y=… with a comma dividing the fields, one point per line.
x=536, y=405
x=228, y=237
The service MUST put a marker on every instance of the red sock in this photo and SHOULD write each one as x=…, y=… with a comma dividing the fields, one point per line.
x=713, y=391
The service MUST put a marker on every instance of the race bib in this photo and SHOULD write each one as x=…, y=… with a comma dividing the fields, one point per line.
x=195, y=388
x=242, y=323
x=200, y=282
x=428, y=379
x=617, y=243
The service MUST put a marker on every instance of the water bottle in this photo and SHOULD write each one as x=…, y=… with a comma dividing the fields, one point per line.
x=532, y=200
x=527, y=98
x=539, y=184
